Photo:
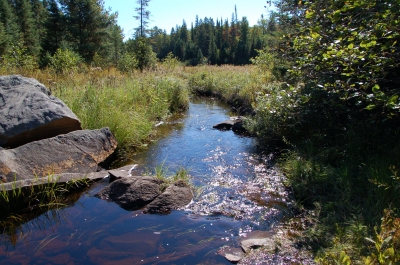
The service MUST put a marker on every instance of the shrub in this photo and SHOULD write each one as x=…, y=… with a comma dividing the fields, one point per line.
x=17, y=59
x=65, y=61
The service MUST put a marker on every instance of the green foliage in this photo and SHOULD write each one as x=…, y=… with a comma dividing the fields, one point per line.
x=144, y=54
x=170, y=63
x=351, y=49
x=17, y=59
x=127, y=63
x=65, y=61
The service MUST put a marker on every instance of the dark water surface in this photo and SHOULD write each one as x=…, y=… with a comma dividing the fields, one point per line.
x=240, y=192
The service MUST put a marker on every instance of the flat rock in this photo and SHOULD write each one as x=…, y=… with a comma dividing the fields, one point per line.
x=132, y=192
x=234, y=255
x=123, y=172
x=75, y=152
x=28, y=112
x=257, y=239
x=177, y=195
x=56, y=178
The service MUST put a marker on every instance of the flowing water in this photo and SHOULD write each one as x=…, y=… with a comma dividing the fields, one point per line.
x=238, y=191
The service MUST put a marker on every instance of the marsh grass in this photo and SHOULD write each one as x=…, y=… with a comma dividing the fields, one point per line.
x=163, y=173
x=41, y=194
x=237, y=86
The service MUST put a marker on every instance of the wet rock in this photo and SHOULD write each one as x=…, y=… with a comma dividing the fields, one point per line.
x=234, y=123
x=123, y=172
x=177, y=195
x=132, y=192
x=257, y=239
x=75, y=152
x=56, y=178
x=234, y=255
x=225, y=125
x=28, y=112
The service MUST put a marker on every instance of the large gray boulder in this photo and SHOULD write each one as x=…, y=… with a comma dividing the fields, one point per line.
x=28, y=112
x=131, y=193
x=76, y=152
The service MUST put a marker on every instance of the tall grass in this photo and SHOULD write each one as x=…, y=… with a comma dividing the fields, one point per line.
x=237, y=86
x=129, y=104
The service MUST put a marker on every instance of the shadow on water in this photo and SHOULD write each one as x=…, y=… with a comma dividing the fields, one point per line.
x=239, y=192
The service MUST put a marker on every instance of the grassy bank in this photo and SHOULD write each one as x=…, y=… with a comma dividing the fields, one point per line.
x=129, y=104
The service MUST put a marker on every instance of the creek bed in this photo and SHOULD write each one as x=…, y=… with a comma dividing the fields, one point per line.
x=239, y=191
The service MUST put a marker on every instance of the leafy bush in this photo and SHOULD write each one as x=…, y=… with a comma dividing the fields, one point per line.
x=352, y=49
x=127, y=63
x=17, y=59
x=65, y=61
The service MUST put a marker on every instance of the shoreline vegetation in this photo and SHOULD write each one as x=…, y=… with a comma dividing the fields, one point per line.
x=345, y=181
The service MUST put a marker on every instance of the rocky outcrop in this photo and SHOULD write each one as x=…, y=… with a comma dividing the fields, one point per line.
x=75, y=152
x=154, y=195
x=28, y=112
x=132, y=193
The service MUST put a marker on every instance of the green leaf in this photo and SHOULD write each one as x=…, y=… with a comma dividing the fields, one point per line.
x=309, y=14
x=393, y=99
x=370, y=107
x=350, y=46
x=375, y=88
x=389, y=253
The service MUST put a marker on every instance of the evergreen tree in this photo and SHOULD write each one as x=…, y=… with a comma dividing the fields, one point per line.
x=40, y=15
x=11, y=31
x=143, y=15
x=55, y=28
x=87, y=23
x=27, y=23
x=116, y=43
x=212, y=51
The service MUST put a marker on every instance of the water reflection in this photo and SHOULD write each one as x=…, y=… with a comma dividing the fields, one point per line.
x=240, y=192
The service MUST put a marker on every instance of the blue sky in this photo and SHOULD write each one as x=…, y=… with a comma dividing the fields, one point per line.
x=166, y=14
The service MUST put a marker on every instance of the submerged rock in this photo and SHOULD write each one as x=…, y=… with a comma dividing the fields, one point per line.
x=234, y=255
x=132, y=192
x=76, y=152
x=28, y=112
x=257, y=239
x=177, y=195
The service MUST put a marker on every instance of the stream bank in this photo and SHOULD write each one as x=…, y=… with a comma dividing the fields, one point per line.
x=239, y=191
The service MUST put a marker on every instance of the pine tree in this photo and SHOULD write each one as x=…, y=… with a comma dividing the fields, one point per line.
x=87, y=23
x=29, y=31
x=40, y=15
x=212, y=51
x=143, y=15
x=11, y=31
x=55, y=28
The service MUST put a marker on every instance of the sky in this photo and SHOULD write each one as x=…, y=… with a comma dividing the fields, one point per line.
x=166, y=14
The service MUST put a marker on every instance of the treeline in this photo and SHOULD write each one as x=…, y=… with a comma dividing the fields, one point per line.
x=34, y=31
x=220, y=42
x=37, y=28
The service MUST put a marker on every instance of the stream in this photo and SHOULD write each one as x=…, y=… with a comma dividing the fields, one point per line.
x=237, y=190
